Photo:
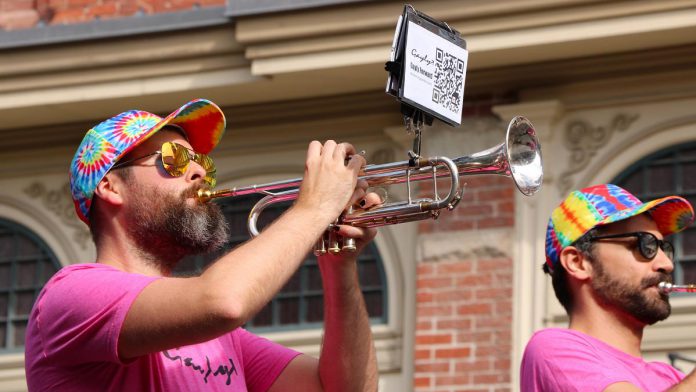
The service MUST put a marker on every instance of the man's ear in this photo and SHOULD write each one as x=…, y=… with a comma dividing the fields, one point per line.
x=576, y=263
x=110, y=190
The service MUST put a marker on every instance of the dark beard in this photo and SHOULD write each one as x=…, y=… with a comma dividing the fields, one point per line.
x=634, y=300
x=165, y=228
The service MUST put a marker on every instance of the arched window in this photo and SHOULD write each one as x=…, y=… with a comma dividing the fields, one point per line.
x=671, y=171
x=300, y=303
x=26, y=263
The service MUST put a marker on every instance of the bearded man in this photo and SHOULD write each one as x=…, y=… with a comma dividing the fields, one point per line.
x=123, y=323
x=606, y=254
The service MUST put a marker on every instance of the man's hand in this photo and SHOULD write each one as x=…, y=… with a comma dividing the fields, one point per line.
x=329, y=183
x=361, y=199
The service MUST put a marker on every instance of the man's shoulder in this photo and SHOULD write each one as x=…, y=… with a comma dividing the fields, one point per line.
x=554, y=339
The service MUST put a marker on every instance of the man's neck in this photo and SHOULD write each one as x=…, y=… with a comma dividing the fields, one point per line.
x=124, y=255
x=616, y=329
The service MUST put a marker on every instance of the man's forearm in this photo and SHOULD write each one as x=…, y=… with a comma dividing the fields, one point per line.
x=348, y=361
x=248, y=277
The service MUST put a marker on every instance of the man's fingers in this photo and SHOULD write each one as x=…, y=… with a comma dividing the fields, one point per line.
x=327, y=152
x=370, y=199
x=343, y=150
x=360, y=233
x=314, y=149
x=355, y=199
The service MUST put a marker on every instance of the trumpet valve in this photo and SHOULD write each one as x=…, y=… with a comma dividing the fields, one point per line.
x=349, y=245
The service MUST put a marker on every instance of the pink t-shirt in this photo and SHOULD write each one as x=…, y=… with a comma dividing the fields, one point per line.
x=559, y=359
x=72, y=343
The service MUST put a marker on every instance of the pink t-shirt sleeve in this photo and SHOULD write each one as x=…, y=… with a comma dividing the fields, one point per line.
x=263, y=360
x=80, y=312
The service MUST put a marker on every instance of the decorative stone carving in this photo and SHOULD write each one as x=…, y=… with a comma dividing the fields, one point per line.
x=60, y=203
x=583, y=140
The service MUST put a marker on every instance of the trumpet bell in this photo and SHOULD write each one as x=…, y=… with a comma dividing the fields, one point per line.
x=524, y=156
x=518, y=157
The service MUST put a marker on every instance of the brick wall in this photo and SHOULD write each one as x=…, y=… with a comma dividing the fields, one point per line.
x=24, y=14
x=463, y=336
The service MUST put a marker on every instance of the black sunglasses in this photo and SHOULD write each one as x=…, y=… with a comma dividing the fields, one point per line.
x=647, y=243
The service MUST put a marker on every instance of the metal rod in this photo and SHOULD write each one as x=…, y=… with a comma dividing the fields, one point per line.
x=667, y=287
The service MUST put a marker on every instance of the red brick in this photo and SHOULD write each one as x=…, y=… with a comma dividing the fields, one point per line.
x=104, y=11
x=58, y=4
x=16, y=5
x=421, y=382
x=501, y=221
x=494, y=378
x=425, y=269
x=454, y=268
x=453, y=324
x=462, y=352
x=437, y=367
x=483, y=339
x=425, y=325
x=451, y=380
x=80, y=4
x=16, y=20
x=474, y=309
x=433, y=339
x=424, y=297
x=494, y=265
x=475, y=365
x=493, y=293
x=433, y=283
x=422, y=354
x=432, y=310
x=493, y=351
x=488, y=323
x=454, y=295
x=502, y=364
x=71, y=16
x=475, y=210
x=506, y=207
x=476, y=280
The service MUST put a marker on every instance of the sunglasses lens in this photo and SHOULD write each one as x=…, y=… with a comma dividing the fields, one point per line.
x=175, y=159
x=210, y=172
x=648, y=245
x=668, y=248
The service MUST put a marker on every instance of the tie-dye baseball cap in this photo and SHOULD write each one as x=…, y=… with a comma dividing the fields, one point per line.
x=599, y=205
x=103, y=145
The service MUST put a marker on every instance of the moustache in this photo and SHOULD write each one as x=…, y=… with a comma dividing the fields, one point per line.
x=192, y=191
x=655, y=280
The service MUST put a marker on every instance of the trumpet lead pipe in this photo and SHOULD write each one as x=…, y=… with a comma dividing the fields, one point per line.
x=667, y=287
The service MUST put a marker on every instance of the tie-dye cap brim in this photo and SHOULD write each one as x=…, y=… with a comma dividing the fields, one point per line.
x=103, y=145
x=600, y=205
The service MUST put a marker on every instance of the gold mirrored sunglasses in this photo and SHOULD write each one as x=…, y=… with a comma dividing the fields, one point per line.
x=175, y=160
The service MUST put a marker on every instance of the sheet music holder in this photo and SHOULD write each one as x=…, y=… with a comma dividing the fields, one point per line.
x=427, y=69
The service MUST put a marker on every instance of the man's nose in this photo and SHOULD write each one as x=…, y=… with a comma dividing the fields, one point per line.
x=195, y=172
x=662, y=262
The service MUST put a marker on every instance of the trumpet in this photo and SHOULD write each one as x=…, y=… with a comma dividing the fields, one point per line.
x=667, y=287
x=518, y=157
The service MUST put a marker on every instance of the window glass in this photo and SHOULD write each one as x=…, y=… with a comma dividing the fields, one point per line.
x=26, y=263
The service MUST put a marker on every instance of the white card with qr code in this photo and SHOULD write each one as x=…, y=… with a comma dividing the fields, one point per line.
x=434, y=73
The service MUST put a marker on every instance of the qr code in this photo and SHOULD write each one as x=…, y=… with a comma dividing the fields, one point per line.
x=449, y=80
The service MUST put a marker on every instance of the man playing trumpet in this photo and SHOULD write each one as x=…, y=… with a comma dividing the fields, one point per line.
x=124, y=324
x=606, y=254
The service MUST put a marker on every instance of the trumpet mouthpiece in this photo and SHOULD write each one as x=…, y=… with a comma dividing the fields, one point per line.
x=204, y=195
